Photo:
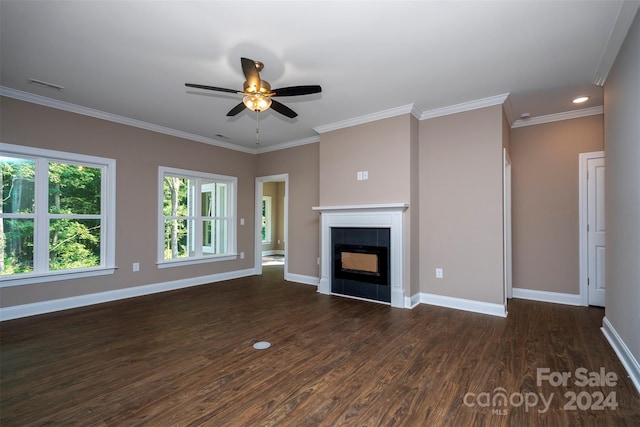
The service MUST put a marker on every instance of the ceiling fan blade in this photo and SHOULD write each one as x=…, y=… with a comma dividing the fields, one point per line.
x=237, y=109
x=283, y=109
x=251, y=74
x=297, y=90
x=219, y=89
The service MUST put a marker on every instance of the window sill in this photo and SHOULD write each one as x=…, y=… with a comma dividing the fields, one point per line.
x=31, y=278
x=191, y=261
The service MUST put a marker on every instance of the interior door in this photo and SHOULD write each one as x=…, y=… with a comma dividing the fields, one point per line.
x=596, y=232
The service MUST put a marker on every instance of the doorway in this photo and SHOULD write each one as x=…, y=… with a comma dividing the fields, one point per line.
x=272, y=222
x=592, y=247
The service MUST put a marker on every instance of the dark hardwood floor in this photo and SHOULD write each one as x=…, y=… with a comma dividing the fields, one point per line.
x=185, y=358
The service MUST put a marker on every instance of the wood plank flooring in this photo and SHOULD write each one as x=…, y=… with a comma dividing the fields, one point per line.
x=185, y=358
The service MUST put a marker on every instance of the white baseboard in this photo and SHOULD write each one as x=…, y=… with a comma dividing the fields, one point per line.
x=299, y=278
x=36, y=308
x=464, y=304
x=546, y=296
x=627, y=359
x=273, y=252
x=412, y=302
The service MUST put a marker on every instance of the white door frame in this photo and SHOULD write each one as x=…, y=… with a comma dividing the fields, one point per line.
x=507, y=243
x=258, y=220
x=583, y=160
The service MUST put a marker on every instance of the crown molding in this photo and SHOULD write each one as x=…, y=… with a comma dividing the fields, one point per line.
x=508, y=110
x=97, y=114
x=465, y=106
x=367, y=118
x=285, y=145
x=628, y=10
x=575, y=114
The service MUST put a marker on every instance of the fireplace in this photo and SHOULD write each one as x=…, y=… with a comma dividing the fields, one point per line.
x=362, y=272
x=360, y=261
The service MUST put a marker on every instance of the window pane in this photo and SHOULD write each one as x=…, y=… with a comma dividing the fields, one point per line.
x=74, y=189
x=266, y=219
x=207, y=202
x=18, y=188
x=221, y=199
x=219, y=236
x=178, y=238
x=74, y=243
x=208, y=247
x=16, y=246
x=176, y=196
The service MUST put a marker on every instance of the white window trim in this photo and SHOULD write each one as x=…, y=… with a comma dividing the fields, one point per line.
x=108, y=196
x=232, y=237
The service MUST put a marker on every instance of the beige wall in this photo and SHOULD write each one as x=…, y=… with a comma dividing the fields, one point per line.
x=414, y=210
x=138, y=154
x=545, y=201
x=622, y=192
x=461, y=205
x=382, y=148
x=301, y=163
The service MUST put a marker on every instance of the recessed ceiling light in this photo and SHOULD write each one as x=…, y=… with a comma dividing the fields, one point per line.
x=581, y=99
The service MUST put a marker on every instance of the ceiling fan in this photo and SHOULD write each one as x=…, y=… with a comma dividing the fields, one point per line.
x=258, y=93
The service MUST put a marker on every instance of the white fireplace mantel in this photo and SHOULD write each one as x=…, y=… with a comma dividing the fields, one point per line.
x=388, y=215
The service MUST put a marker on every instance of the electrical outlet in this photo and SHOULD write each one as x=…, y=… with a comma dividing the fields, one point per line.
x=136, y=266
x=241, y=255
x=439, y=273
x=241, y=221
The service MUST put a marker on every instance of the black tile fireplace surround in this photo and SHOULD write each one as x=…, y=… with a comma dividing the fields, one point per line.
x=360, y=262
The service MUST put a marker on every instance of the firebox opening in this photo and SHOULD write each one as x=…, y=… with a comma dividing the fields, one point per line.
x=361, y=263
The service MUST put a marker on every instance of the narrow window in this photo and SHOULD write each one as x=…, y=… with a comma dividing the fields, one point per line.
x=266, y=219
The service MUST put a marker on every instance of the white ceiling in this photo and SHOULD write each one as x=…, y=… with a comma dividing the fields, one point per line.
x=132, y=58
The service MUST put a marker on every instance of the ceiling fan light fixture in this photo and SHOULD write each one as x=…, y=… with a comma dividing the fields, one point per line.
x=256, y=102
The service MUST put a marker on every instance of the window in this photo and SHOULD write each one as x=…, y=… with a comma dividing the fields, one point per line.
x=266, y=219
x=58, y=215
x=197, y=217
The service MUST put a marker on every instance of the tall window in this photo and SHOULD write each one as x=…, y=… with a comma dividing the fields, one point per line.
x=266, y=219
x=197, y=217
x=57, y=215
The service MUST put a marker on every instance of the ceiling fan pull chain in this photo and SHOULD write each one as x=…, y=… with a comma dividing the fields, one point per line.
x=257, y=127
